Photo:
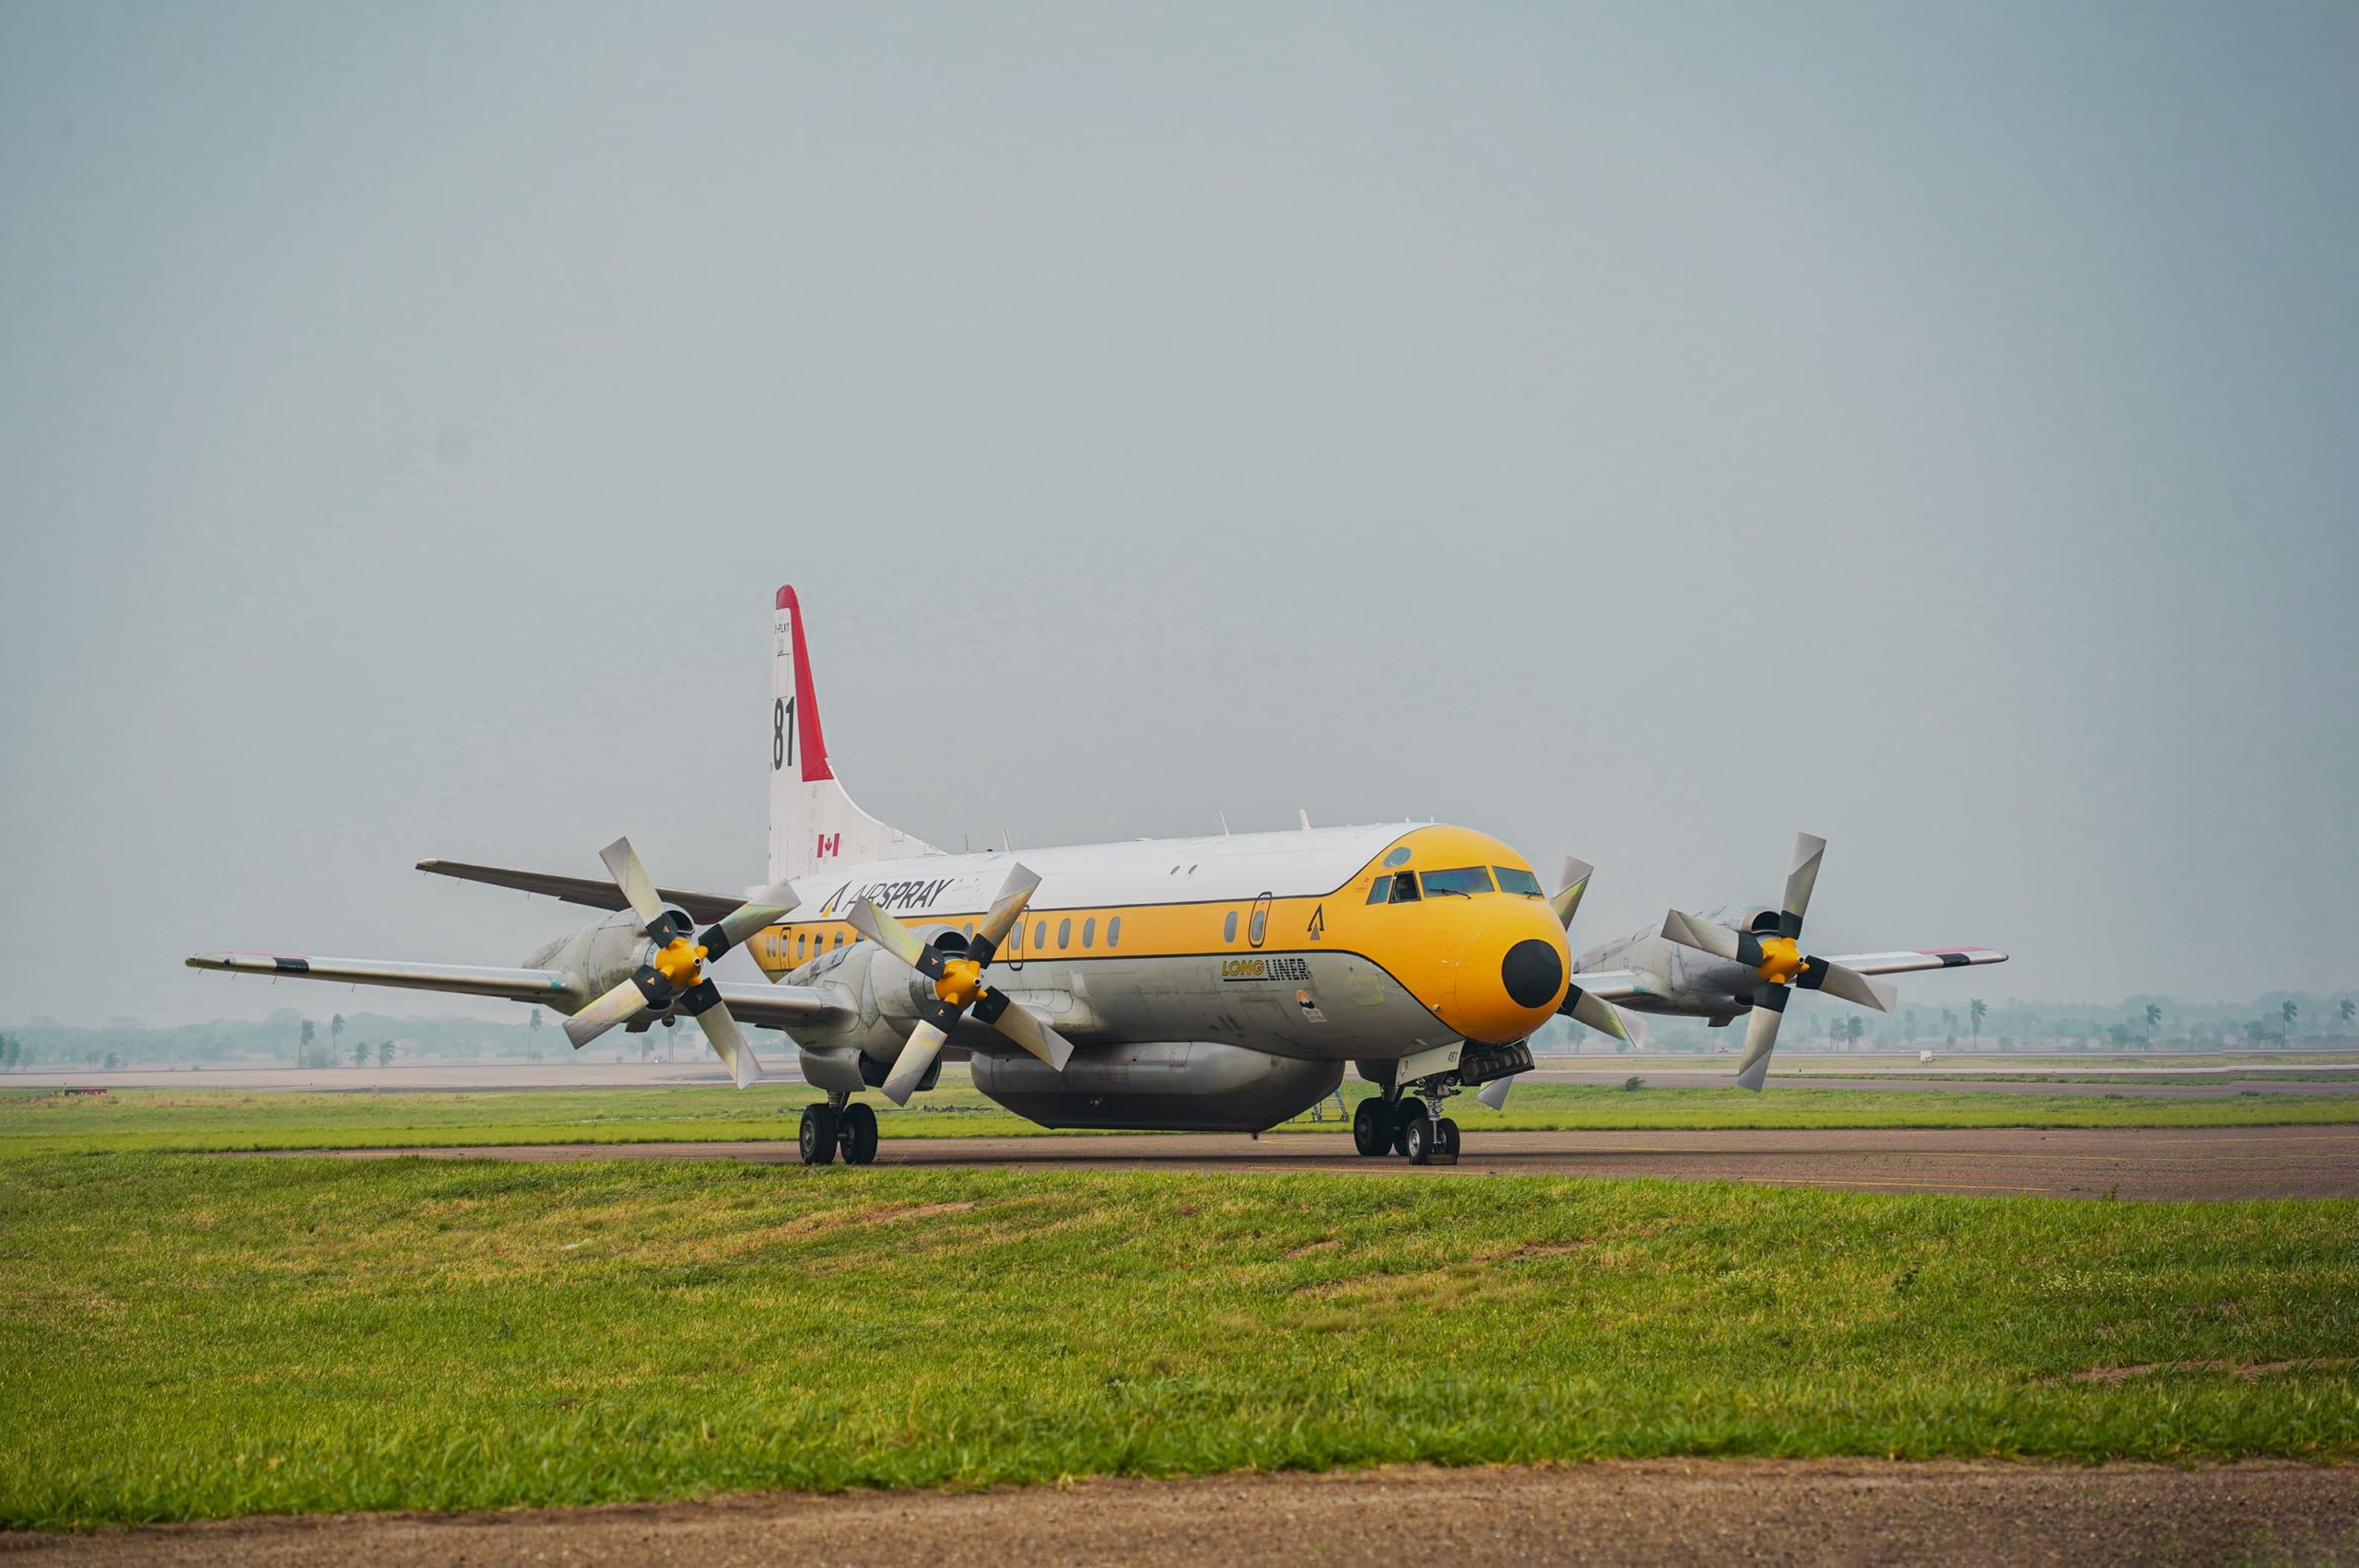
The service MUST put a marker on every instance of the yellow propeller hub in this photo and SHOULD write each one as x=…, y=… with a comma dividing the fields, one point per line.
x=1781, y=960
x=677, y=959
x=961, y=982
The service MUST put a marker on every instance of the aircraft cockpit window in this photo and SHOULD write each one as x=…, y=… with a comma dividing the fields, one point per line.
x=1515, y=879
x=1380, y=890
x=1398, y=856
x=1404, y=887
x=1464, y=881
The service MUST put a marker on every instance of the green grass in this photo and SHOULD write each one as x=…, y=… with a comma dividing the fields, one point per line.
x=184, y=1337
x=33, y=1123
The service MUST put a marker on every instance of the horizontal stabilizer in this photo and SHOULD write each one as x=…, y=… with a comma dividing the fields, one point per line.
x=595, y=892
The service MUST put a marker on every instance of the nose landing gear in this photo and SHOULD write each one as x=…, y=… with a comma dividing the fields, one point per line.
x=1407, y=1126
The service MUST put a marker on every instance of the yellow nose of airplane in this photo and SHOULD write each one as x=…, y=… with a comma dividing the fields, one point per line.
x=1511, y=973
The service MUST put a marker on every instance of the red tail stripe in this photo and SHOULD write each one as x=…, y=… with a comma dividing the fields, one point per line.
x=809, y=738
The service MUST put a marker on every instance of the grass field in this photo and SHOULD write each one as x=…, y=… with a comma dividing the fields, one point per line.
x=35, y=1123
x=183, y=1337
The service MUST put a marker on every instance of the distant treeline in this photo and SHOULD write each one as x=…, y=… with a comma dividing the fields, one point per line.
x=293, y=1038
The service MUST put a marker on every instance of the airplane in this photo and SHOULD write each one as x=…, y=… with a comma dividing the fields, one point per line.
x=1208, y=984
x=1740, y=959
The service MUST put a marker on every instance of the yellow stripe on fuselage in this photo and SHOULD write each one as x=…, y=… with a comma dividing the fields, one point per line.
x=1445, y=951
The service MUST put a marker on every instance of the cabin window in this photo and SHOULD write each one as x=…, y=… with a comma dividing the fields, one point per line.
x=802, y=943
x=1404, y=887
x=1228, y=928
x=1515, y=879
x=1041, y=936
x=1380, y=890
x=840, y=939
x=1064, y=933
x=1114, y=931
x=1259, y=926
x=1466, y=881
x=1090, y=931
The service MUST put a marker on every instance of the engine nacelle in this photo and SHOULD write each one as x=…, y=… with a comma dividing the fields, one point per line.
x=595, y=958
x=1165, y=1085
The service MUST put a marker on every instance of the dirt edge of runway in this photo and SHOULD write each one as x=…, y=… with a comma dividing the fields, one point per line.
x=1656, y=1510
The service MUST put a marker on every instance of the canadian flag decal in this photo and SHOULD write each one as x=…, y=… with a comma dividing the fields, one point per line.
x=829, y=844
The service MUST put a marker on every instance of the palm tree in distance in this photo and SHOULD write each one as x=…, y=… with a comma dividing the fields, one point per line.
x=1977, y=1011
x=2290, y=1010
x=303, y=1040
x=335, y=1038
x=2348, y=1009
x=2153, y=1018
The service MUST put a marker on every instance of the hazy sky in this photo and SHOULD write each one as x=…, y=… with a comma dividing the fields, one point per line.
x=1641, y=432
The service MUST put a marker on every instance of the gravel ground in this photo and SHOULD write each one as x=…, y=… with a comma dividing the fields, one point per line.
x=1654, y=1511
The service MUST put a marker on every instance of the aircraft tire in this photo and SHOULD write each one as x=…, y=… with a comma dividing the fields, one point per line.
x=1408, y=1109
x=858, y=1134
x=1418, y=1138
x=819, y=1135
x=1371, y=1129
x=1447, y=1129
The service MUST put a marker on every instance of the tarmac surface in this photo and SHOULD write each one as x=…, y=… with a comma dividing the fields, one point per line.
x=2125, y=1163
x=1672, y=1510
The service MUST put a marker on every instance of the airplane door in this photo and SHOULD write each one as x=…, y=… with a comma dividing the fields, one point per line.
x=1259, y=926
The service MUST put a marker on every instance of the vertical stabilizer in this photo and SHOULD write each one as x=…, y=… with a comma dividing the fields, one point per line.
x=813, y=823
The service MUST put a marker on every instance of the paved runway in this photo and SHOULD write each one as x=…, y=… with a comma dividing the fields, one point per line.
x=2130, y=1163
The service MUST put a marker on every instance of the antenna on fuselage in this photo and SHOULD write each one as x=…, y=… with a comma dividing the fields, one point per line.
x=1224, y=824
x=1303, y=812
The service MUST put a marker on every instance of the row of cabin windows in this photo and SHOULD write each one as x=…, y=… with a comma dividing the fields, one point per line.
x=804, y=946
x=1064, y=933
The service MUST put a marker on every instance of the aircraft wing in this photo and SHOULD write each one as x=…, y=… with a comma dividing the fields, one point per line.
x=1610, y=985
x=784, y=1007
x=1922, y=958
x=595, y=892
x=765, y=1007
x=543, y=986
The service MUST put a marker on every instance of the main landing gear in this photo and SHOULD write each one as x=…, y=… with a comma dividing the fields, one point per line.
x=837, y=1125
x=1406, y=1126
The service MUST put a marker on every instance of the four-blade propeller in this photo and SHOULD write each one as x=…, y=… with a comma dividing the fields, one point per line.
x=674, y=974
x=1777, y=962
x=958, y=986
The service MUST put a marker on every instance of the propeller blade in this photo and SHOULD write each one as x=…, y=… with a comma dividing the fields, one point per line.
x=728, y=1040
x=1006, y=909
x=765, y=908
x=1494, y=1092
x=1818, y=975
x=639, y=889
x=1808, y=849
x=1020, y=1026
x=1761, y=1036
x=895, y=939
x=910, y=1067
x=1569, y=898
x=647, y=988
x=1597, y=1012
x=1706, y=936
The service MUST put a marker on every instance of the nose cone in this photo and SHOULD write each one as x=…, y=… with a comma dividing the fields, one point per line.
x=1513, y=974
x=1533, y=973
